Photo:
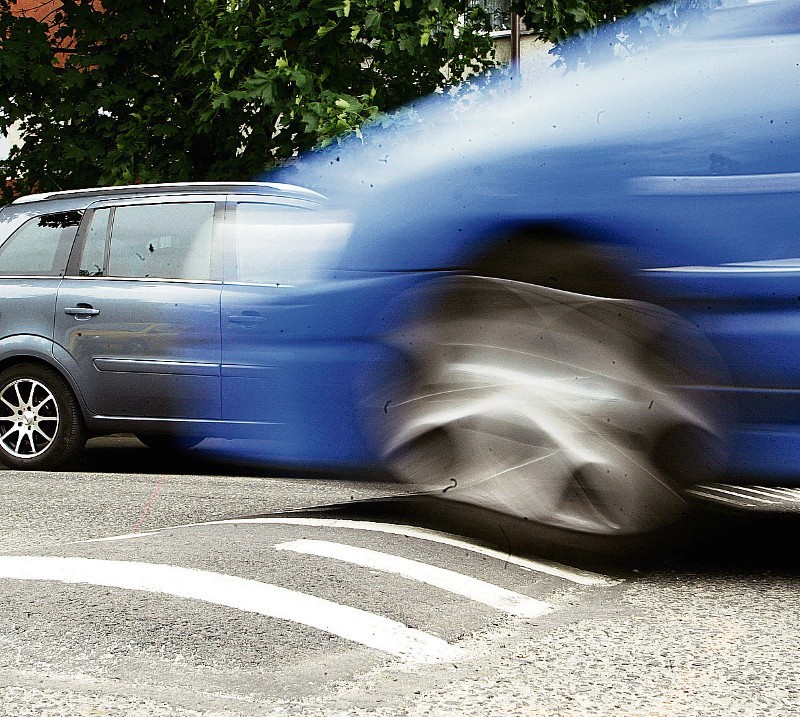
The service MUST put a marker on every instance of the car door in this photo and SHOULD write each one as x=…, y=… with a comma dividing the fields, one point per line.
x=32, y=261
x=272, y=307
x=137, y=316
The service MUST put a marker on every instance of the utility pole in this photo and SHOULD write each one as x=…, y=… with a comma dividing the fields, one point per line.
x=516, y=33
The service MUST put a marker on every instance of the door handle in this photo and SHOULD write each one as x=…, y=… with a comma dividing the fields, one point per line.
x=81, y=311
x=247, y=318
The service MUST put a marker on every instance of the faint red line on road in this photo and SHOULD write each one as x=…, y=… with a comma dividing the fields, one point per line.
x=150, y=501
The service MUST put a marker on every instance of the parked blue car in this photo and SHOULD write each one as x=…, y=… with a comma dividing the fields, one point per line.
x=566, y=304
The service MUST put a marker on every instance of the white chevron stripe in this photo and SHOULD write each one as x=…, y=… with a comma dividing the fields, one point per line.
x=575, y=575
x=790, y=495
x=242, y=594
x=714, y=491
x=472, y=588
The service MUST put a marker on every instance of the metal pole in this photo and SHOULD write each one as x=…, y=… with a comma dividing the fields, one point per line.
x=516, y=33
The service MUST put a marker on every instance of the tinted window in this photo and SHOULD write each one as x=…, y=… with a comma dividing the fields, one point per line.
x=285, y=245
x=168, y=241
x=41, y=246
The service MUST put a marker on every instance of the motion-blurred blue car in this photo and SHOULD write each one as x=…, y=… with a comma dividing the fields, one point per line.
x=567, y=303
x=638, y=219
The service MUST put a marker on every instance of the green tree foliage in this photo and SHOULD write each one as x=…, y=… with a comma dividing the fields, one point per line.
x=167, y=90
x=556, y=20
x=577, y=26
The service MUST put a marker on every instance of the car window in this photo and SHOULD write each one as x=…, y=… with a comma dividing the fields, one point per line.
x=41, y=246
x=94, y=250
x=168, y=241
x=278, y=244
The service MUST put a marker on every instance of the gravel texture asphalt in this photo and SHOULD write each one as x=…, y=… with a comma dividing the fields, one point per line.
x=708, y=628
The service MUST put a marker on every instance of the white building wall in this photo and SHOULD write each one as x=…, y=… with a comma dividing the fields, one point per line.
x=535, y=62
x=6, y=141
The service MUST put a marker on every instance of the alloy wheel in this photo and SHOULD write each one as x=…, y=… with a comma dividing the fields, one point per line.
x=30, y=418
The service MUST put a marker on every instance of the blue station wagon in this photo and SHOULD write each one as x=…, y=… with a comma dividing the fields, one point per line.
x=181, y=312
x=112, y=304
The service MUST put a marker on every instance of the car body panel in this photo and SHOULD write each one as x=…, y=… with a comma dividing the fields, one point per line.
x=153, y=350
x=305, y=367
x=28, y=306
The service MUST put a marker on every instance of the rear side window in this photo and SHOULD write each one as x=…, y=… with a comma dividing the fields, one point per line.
x=41, y=246
x=160, y=241
x=286, y=245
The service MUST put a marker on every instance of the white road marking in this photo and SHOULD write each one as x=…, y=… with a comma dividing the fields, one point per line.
x=242, y=594
x=791, y=495
x=753, y=491
x=472, y=588
x=575, y=575
x=745, y=496
x=712, y=496
x=784, y=495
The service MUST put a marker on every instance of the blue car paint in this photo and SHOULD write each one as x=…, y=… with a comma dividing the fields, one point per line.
x=688, y=156
x=321, y=374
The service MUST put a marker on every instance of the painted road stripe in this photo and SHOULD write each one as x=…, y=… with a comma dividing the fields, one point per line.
x=747, y=496
x=575, y=575
x=472, y=588
x=242, y=594
x=714, y=497
x=752, y=492
x=790, y=494
x=581, y=577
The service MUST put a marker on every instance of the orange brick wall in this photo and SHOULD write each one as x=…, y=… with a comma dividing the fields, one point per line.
x=37, y=9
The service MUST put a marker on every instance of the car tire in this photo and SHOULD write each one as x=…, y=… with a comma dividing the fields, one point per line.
x=550, y=406
x=41, y=425
x=161, y=442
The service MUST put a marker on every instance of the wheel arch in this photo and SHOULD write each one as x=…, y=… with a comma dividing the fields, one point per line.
x=560, y=254
x=18, y=350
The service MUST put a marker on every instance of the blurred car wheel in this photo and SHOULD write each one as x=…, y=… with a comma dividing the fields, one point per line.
x=550, y=406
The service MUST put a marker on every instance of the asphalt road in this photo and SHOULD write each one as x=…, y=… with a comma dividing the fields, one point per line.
x=152, y=585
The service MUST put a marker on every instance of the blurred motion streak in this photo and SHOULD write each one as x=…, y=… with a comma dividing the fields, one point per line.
x=555, y=407
x=596, y=294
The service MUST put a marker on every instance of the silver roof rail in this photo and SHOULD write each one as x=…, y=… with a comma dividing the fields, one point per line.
x=169, y=188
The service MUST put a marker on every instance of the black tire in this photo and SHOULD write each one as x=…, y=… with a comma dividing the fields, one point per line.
x=162, y=442
x=41, y=425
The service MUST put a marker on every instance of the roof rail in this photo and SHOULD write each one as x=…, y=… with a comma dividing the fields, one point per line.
x=167, y=188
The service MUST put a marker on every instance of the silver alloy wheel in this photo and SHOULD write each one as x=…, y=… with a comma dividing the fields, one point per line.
x=554, y=407
x=30, y=419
